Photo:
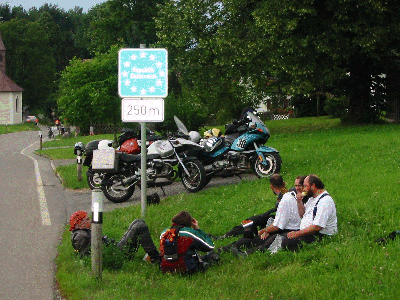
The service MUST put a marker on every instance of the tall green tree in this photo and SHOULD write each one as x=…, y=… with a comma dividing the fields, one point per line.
x=191, y=31
x=122, y=20
x=29, y=59
x=88, y=90
x=337, y=45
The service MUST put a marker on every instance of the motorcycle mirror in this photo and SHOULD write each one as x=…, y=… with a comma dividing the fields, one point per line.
x=181, y=127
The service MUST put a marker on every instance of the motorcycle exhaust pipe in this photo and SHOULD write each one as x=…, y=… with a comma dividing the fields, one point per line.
x=130, y=180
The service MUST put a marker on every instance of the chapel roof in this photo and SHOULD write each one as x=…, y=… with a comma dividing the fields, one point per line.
x=7, y=85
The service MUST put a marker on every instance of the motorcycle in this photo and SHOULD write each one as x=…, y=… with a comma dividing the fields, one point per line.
x=118, y=186
x=242, y=148
x=128, y=142
x=50, y=133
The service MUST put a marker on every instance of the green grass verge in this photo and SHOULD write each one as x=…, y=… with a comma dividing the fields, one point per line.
x=18, y=127
x=360, y=167
x=63, y=142
x=69, y=175
x=57, y=153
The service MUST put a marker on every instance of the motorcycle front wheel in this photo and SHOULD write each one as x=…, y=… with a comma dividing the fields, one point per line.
x=273, y=165
x=196, y=179
x=114, y=190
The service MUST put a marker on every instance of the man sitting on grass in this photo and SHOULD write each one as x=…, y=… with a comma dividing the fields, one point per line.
x=286, y=219
x=319, y=218
x=137, y=235
x=249, y=227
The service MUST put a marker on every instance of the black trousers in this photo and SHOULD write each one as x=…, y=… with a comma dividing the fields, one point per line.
x=253, y=244
x=259, y=222
x=138, y=235
x=296, y=243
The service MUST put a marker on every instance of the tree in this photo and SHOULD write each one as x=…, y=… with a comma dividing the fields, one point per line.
x=29, y=59
x=339, y=46
x=122, y=20
x=88, y=90
x=190, y=30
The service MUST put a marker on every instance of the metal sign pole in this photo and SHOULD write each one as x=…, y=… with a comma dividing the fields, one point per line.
x=143, y=169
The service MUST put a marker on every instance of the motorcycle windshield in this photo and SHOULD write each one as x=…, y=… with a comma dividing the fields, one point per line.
x=181, y=127
x=256, y=119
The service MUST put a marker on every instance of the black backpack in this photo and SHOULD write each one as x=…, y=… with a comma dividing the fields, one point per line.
x=170, y=244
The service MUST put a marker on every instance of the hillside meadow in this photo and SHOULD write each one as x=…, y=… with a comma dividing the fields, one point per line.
x=360, y=167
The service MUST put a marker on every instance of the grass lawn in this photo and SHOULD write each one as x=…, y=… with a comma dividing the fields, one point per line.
x=360, y=167
x=18, y=127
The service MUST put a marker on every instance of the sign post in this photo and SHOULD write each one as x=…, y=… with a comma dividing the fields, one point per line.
x=142, y=83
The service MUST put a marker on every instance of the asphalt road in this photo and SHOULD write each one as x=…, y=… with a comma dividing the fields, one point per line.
x=34, y=207
x=29, y=225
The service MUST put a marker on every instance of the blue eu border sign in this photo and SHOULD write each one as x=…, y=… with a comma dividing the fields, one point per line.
x=143, y=73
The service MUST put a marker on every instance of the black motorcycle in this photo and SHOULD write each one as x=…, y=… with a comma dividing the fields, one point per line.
x=119, y=183
x=94, y=178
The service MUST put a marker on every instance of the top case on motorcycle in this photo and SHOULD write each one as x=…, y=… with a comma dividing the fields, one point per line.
x=92, y=145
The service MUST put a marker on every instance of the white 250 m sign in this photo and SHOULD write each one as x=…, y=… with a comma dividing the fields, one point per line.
x=142, y=110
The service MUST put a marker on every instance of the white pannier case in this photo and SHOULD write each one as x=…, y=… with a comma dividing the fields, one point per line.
x=105, y=161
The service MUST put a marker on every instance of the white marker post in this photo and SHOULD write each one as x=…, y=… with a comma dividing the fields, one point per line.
x=96, y=228
x=40, y=140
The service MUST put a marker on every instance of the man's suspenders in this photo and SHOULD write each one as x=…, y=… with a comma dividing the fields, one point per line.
x=315, y=207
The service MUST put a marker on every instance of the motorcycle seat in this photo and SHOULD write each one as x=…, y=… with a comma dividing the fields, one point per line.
x=129, y=157
x=134, y=157
x=153, y=138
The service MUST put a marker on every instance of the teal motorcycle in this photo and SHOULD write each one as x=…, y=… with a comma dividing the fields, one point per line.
x=242, y=148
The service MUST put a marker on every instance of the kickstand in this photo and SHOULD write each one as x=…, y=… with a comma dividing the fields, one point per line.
x=163, y=190
x=238, y=175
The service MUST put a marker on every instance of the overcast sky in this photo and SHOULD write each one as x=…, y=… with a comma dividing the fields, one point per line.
x=65, y=4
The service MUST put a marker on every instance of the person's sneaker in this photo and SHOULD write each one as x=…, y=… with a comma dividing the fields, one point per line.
x=211, y=257
x=238, y=253
x=147, y=258
x=107, y=241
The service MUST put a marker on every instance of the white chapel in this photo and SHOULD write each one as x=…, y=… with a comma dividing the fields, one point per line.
x=10, y=94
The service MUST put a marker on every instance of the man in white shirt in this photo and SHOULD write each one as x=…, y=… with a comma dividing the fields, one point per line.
x=319, y=218
x=286, y=219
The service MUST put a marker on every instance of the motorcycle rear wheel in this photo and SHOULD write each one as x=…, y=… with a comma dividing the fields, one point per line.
x=114, y=190
x=196, y=180
x=94, y=179
x=273, y=166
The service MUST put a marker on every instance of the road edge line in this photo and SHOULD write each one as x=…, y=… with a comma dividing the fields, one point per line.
x=44, y=211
